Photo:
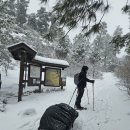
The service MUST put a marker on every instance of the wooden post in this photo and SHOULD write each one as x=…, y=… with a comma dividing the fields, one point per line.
x=40, y=79
x=21, y=75
x=93, y=95
x=61, y=87
x=0, y=81
x=61, y=83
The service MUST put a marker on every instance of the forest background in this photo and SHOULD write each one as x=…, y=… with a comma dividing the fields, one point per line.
x=41, y=31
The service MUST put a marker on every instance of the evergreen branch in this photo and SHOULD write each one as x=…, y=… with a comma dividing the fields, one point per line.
x=102, y=17
x=126, y=8
x=67, y=32
x=44, y=1
x=71, y=27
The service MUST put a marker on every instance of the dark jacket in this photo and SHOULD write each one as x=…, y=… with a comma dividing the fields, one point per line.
x=83, y=79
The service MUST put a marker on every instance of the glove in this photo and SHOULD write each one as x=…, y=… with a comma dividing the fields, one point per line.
x=93, y=81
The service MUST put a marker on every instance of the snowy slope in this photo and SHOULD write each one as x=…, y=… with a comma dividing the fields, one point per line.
x=112, y=106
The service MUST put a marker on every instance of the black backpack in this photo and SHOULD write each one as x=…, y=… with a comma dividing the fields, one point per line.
x=58, y=117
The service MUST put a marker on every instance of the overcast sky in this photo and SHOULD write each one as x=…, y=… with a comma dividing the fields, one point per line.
x=114, y=18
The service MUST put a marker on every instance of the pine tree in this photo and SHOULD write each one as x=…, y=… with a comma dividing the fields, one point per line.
x=103, y=52
x=80, y=48
x=42, y=21
x=117, y=34
x=122, y=40
x=61, y=45
x=21, y=12
x=118, y=31
x=12, y=7
x=32, y=21
x=7, y=20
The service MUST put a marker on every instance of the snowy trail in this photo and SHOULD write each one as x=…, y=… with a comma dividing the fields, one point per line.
x=111, y=110
x=111, y=107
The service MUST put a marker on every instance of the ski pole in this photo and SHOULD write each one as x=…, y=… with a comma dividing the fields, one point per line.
x=72, y=95
x=87, y=94
x=93, y=95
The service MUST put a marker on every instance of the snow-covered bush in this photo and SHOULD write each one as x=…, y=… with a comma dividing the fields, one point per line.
x=123, y=72
x=3, y=103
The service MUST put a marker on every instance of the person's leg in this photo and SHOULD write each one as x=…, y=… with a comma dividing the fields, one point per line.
x=79, y=97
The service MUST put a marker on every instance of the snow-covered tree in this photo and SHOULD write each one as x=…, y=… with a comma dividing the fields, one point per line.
x=117, y=34
x=108, y=54
x=12, y=7
x=120, y=40
x=61, y=45
x=22, y=12
x=80, y=49
x=123, y=72
x=7, y=20
x=103, y=52
x=118, y=31
x=42, y=21
x=32, y=21
x=52, y=32
x=29, y=36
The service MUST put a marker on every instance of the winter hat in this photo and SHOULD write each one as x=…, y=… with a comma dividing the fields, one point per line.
x=85, y=68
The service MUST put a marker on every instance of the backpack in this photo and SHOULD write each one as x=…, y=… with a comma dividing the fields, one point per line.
x=76, y=78
x=58, y=117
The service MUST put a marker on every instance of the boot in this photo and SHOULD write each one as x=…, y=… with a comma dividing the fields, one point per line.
x=78, y=107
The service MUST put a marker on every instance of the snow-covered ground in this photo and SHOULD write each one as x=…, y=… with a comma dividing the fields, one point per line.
x=112, y=105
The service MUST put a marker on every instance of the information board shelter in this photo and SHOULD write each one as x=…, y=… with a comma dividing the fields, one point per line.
x=32, y=66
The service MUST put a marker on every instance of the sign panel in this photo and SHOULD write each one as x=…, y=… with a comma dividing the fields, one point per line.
x=34, y=71
x=52, y=77
x=34, y=75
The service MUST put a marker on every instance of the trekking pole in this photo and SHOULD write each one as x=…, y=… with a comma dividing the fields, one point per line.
x=87, y=94
x=72, y=95
x=93, y=95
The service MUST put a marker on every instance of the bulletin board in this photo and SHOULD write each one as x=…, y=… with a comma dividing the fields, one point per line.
x=52, y=77
x=34, y=75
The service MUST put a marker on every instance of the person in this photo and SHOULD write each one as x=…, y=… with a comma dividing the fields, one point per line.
x=81, y=85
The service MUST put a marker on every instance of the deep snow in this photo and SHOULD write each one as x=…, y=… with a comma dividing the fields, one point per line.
x=112, y=105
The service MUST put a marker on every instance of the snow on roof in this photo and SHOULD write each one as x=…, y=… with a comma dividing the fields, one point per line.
x=17, y=34
x=29, y=46
x=51, y=60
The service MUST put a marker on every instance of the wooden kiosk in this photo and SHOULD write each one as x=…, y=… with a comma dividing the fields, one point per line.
x=33, y=66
